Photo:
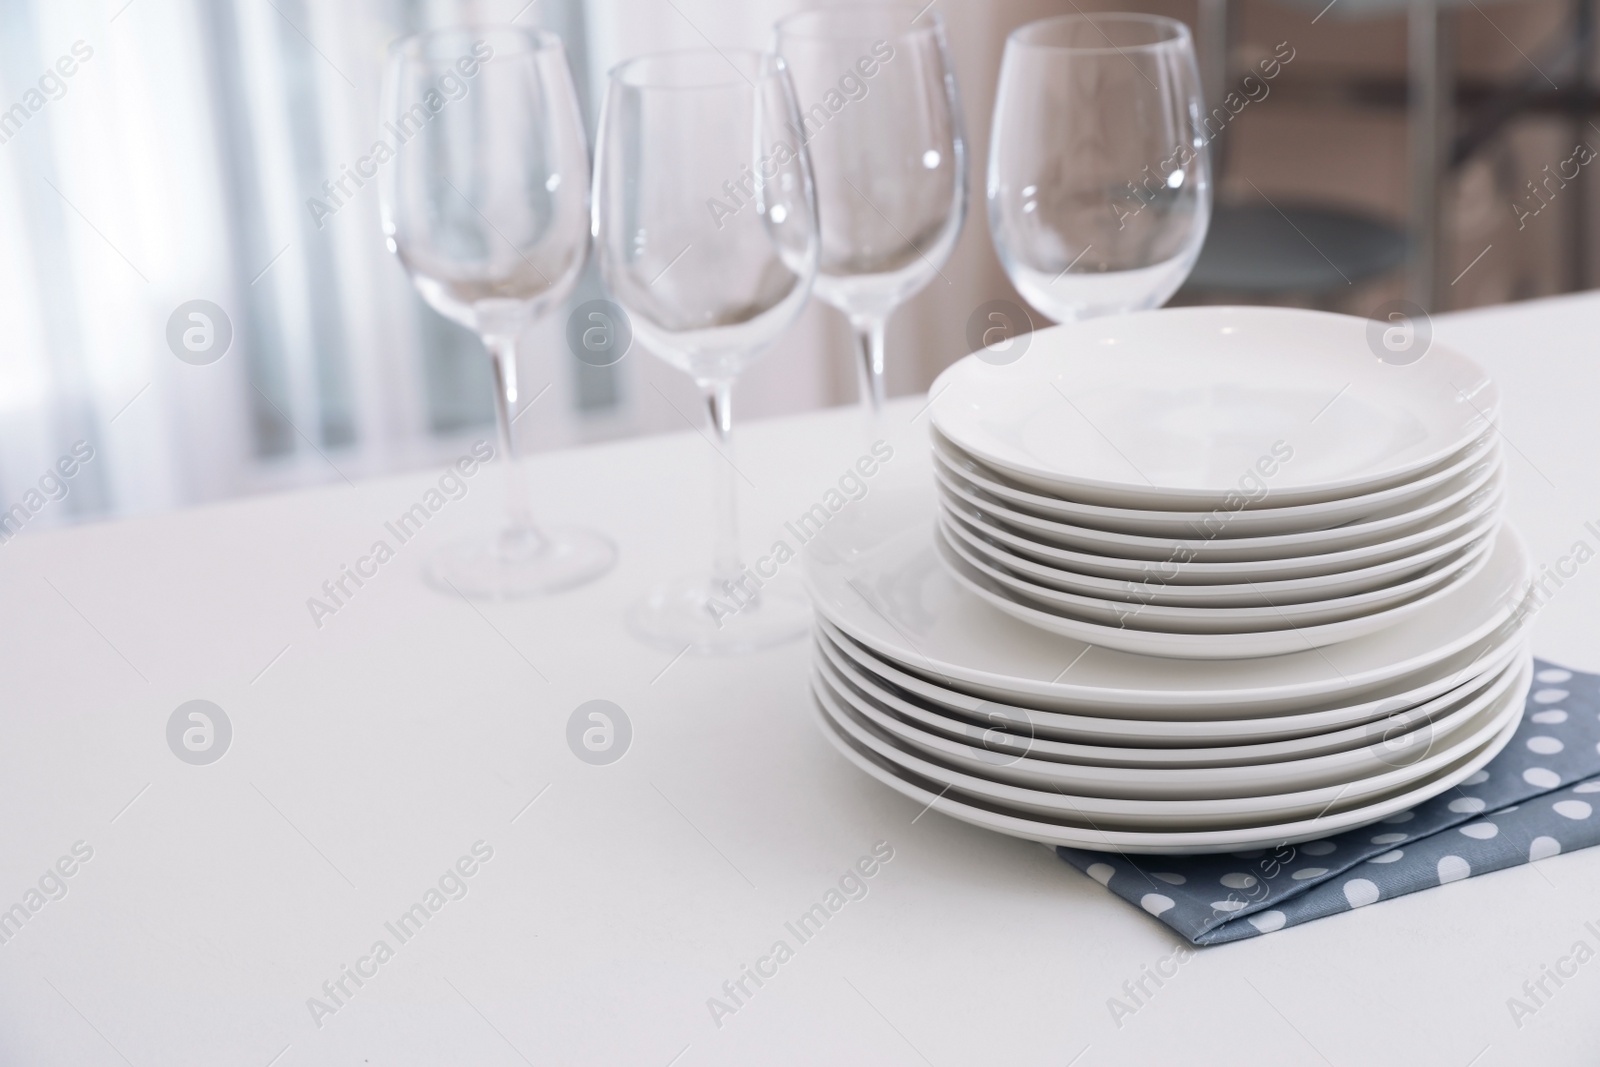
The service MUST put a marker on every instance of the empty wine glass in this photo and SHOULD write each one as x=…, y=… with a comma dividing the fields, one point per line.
x=1099, y=188
x=881, y=117
x=485, y=201
x=705, y=222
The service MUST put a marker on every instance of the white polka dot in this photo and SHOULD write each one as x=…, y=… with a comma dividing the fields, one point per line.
x=1541, y=777
x=1549, y=718
x=1101, y=872
x=1308, y=872
x=1387, y=857
x=1591, y=786
x=1453, y=869
x=1544, y=745
x=1267, y=921
x=1467, y=805
x=1388, y=839
x=1227, y=905
x=1553, y=676
x=1317, y=848
x=1480, y=830
x=1549, y=696
x=1170, y=878
x=1238, y=881
x=1155, y=903
x=1360, y=892
x=1476, y=778
x=1542, y=848
x=1404, y=816
x=1573, y=809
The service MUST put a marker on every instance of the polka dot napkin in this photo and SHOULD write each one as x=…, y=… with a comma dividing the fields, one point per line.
x=1535, y=799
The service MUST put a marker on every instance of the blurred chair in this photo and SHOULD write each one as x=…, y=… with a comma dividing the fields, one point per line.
x=1283, y=249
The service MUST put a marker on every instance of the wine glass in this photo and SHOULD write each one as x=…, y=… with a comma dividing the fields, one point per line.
x=485, y=201
x=1099, y=188
x=881, y=118
x=705, y=222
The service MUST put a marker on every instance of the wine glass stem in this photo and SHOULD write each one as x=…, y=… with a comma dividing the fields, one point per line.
x=725, y=564
x=869, y=360
x=520, y=532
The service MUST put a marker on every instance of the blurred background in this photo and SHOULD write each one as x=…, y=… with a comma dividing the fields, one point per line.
x=1433, y=152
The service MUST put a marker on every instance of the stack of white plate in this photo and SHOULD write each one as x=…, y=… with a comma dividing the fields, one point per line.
x=1342, y=647
x=1215, y=481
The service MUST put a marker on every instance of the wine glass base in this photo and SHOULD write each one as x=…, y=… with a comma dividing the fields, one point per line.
x=697, y=615
x=491, y=567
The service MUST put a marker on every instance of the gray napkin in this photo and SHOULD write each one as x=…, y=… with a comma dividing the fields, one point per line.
x=1535, y=799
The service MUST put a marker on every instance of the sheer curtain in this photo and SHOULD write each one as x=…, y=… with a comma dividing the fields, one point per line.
x=176, y=162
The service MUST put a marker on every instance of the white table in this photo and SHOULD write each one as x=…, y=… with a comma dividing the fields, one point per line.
x=369, y=755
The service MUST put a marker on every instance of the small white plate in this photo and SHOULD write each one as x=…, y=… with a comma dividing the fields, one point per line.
x=1483, y=514
x=1125, y=742
x=1174, y=409
x=873, y=574
x=1248, y=644
x=1341, y=545
x=1284, y=599
x=995, y=754
x=1208, y=619
x=928, y=795
x=1397, y=507
x=1185, y=814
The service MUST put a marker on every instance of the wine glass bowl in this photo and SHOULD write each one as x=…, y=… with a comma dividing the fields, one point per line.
x=709, y=240
x=501, y=228
x=880, y=115
x=1099, y=186
x=484, y=199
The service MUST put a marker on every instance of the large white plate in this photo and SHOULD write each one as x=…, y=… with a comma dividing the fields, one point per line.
x=1175, y=408
x=1249, y=644
x=1235, y=594
x=931, y=796
x=1338, y=548
x=1174, y=814
x=1397, y=507
x=1146, y=614
x=1207, y=743
x=873, y=574
x=1000, y=756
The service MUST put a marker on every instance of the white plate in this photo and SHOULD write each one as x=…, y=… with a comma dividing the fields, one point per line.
x=1483, y=512
x=995, y=754
x=931, y=796
x=1173, y=814
x=1175, y=408
x=1400, y=506
x=873, y=574
x=1237, y=594
x=1209, y=743
x=1143, y=612
x=1240, y=645
x=1335, y=548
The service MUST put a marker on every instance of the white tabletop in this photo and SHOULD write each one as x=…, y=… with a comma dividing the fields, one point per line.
x=371, y=754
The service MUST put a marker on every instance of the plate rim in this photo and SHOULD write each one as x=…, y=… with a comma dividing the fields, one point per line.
x=1484, y=451
x=1249, y=644
x=1197, y=318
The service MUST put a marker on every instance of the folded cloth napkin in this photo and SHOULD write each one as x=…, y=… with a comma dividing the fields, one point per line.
x=1535, y=799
